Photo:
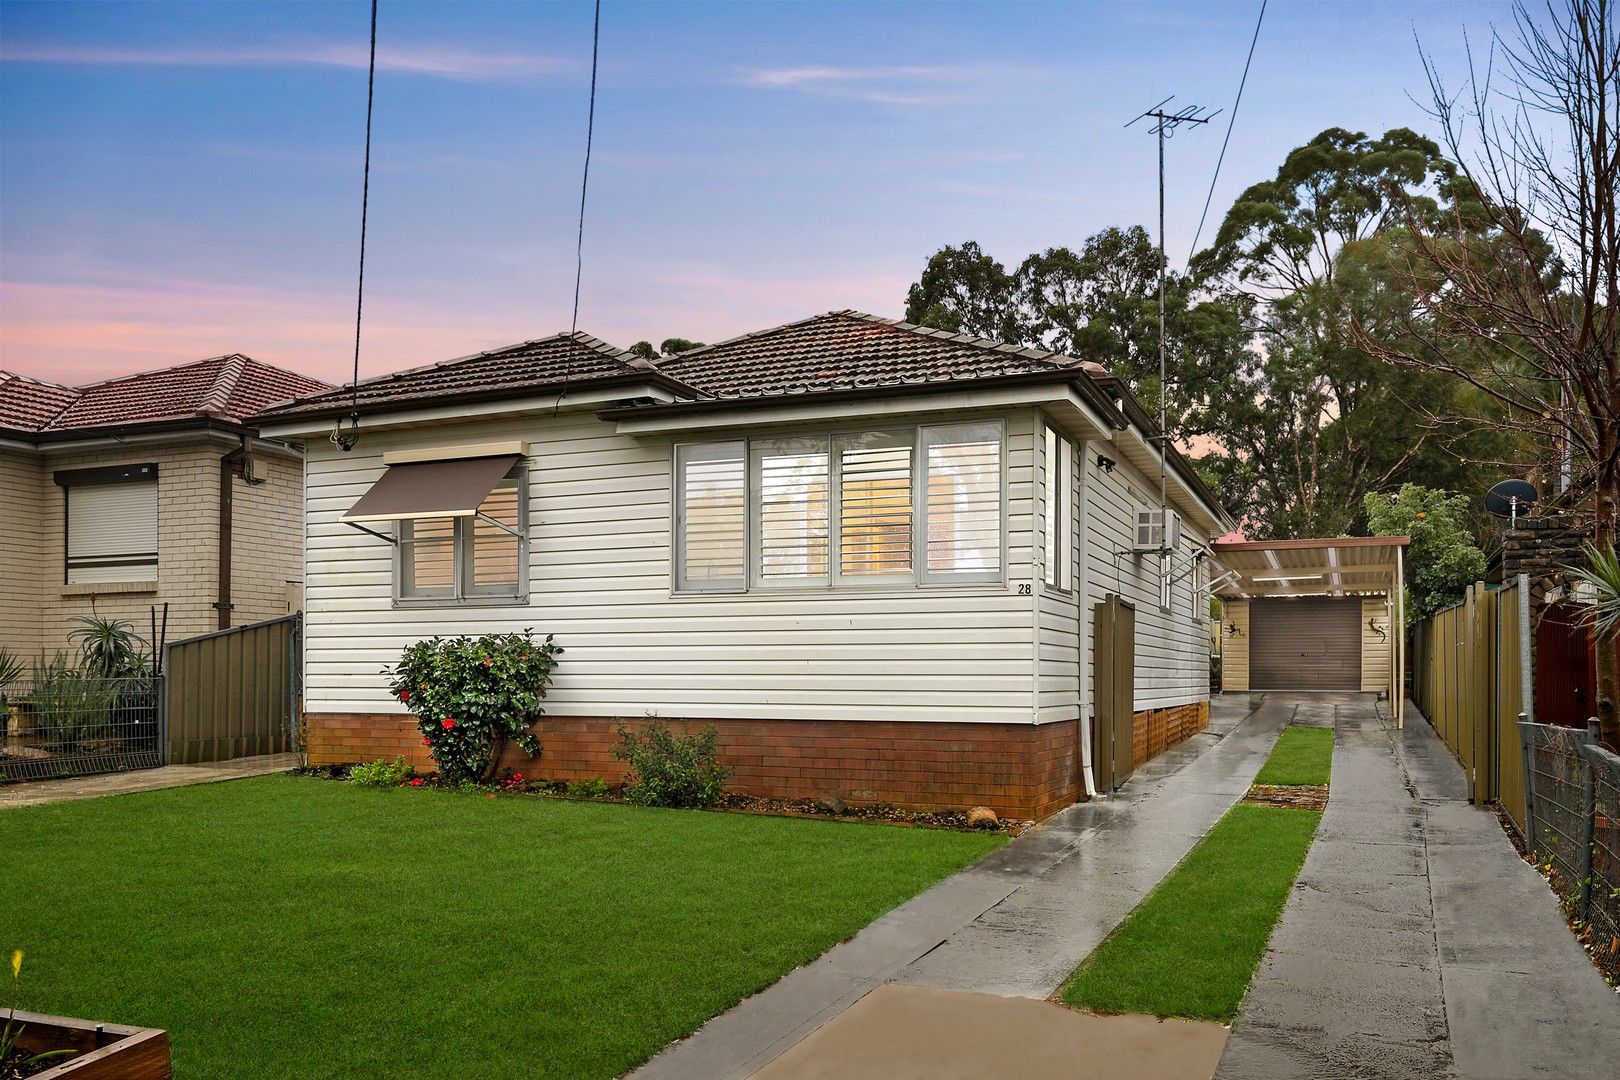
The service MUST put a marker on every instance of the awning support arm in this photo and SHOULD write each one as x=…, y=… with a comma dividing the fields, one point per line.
x=373, y=532
x=501, y=525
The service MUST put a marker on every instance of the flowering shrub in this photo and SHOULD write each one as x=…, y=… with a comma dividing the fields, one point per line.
x=668, y=769
x=472, y=696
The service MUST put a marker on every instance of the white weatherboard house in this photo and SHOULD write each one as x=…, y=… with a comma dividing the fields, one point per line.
x=874, y=555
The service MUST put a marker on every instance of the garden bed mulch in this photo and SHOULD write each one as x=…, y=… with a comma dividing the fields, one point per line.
x=1296, y=796
x=736, y=803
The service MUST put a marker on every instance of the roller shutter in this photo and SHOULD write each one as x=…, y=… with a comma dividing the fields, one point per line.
x=1305, y=643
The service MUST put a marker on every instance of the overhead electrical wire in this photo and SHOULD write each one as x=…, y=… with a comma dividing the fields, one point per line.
x=1230, y=120
x=585, y=178
x=344, y=441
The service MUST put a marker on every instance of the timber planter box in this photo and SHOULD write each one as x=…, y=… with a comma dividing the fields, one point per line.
x=105, y=1051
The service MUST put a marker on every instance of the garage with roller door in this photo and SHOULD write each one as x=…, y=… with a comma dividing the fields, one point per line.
x=1310, y=614
x=1305, y=643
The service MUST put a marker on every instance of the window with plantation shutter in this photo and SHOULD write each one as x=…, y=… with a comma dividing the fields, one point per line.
x=1059, y=511
x=791, y=519
x=112, y=532
x=711, y=516
x=962, y=503
x=857, y=509
x=874, y=505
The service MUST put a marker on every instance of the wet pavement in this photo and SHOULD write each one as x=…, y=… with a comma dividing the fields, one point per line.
x=1016, y=923
x=1416, y=942
x=38, y=792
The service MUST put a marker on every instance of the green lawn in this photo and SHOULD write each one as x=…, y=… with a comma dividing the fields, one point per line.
x=297, y=927
x=1303, y=755
x=1191, y=946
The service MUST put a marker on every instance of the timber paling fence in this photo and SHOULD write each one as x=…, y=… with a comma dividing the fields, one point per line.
x=1474, y=682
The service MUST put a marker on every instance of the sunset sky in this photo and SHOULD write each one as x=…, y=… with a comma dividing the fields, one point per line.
x=183, y=180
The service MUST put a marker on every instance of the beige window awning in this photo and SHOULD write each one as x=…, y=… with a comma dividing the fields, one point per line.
x=431, y=489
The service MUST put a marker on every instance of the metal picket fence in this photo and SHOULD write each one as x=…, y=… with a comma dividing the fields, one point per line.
x=1573, y=829
x=63, y=723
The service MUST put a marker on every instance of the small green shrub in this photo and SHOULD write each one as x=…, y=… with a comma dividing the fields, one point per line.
x=668, y=769
x=381, y=773
x=70, y=707
x=472, y=696
x=593, y=788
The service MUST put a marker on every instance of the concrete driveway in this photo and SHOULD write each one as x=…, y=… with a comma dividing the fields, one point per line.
x=1417, y=943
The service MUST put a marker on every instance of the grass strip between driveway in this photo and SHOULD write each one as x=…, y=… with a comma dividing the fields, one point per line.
x=1190, y=948
x=1303, y=755
x=293, y=927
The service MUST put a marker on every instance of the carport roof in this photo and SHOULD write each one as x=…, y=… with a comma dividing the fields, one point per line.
x=1335, y=566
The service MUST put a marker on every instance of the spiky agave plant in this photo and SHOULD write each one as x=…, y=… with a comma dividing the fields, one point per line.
x=1600, y=598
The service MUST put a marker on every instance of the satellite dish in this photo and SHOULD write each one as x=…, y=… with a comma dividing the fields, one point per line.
x=1509, y=497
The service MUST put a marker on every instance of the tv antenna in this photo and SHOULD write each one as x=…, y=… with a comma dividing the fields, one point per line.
x=1165, y=126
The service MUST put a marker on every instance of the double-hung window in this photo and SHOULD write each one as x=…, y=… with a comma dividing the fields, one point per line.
x=112, y=523
x=907, y=506
x=1059, y=512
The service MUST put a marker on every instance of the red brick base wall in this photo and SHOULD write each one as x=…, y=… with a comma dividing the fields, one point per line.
x=1018, y=770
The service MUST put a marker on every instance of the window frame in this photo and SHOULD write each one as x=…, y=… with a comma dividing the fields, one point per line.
x=919, y=576
x=460, y=552
x=101, y=476
x=1057, y=510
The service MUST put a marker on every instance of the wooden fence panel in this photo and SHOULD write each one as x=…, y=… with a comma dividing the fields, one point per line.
x=231, y=694
x=1512, y=662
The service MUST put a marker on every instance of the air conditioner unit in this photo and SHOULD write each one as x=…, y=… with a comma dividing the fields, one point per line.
x=1157, y=530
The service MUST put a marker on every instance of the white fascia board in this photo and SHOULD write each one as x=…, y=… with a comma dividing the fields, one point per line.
x=303, y=428
x=1136, y=449
x=149, y=439
x=1074, y=416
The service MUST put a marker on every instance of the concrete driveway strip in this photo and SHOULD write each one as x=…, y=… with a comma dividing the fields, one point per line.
x=1017, y=922
x=1416, y=942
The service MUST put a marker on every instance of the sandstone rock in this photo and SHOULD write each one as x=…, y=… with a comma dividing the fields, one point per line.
x=982, y=817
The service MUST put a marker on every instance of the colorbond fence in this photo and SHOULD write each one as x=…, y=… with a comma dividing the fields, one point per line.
x=1475, y=678
x=233, y=693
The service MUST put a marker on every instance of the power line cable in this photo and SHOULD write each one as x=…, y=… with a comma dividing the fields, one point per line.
x=1230, y=120
x=346, y=442
x=585, y=178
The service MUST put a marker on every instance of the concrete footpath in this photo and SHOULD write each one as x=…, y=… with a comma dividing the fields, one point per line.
x=39, y=792
x=1416, y=942
x=1016, y=923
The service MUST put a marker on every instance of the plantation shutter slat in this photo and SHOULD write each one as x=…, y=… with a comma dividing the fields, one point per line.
x=793, y=529
x=112, y=532
x=712, y=518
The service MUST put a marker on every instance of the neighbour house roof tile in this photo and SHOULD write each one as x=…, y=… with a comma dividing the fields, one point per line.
x=844, y=350
x=229, y=388
x=577, y=359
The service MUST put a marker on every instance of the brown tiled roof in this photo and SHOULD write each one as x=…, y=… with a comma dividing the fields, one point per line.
x=845, y=350
x=229, y=388
x=29, y=404
x=530, y=366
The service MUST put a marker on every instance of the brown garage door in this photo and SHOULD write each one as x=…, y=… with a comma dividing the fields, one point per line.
x=1305, y=643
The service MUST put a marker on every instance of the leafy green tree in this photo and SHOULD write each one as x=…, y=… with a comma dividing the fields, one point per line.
x=644, y=350
x=673, y=346
x=965, y=291
x=1442, y=561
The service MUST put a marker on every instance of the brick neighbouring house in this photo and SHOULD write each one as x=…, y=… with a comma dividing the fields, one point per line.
x=867, y=551
x=112, y=497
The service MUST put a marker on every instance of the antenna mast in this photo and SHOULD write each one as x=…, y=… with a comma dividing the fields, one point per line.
x=1165, y=125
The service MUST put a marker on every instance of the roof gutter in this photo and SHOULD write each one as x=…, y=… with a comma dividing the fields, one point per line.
x=338, y=409
x=1079, y=380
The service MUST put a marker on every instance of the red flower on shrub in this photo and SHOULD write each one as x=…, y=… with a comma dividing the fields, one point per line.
x=447, y=723
x=404, y=695
x=426, y=743
x=416, y=782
